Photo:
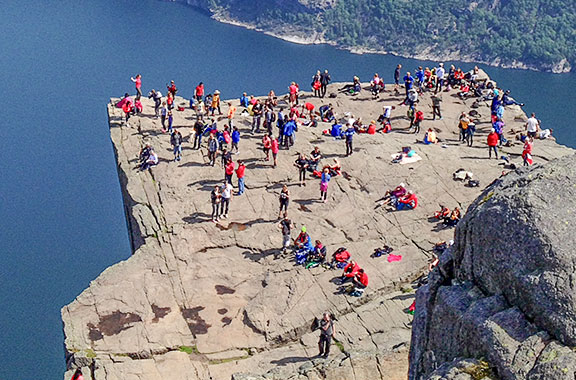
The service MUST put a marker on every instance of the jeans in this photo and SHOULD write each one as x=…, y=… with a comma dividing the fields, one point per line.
x=324, y=344
x=436, y=111
x=256, y=124
x=228, y=178
x=348, y=147
x=240, y=186
x=215, y=210
x=225, y=203
x=490, y=151
x=197, y=141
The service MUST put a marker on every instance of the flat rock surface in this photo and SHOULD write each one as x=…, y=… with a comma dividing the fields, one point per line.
x=210, y=300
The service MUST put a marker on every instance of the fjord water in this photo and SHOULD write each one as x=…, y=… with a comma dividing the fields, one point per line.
x=60, y=201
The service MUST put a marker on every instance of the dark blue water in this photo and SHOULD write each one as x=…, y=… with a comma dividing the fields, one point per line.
x=60, y=202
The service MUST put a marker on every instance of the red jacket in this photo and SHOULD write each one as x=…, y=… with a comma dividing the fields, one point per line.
x=362, y=278
x=240, y=171
x=275, y=146
x=230, y=168
x=493, y=139
x=351, y=270
x=410, y=199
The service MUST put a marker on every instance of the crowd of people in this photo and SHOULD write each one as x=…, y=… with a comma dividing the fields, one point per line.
x=278, y=123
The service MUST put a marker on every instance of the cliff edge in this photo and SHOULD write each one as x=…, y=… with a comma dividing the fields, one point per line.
x=505, y=292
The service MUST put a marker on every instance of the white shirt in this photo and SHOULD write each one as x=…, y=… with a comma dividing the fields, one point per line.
x=227, y=191
x=544, y=134
x=440, y=72
x=532, y=124
x=387, y=111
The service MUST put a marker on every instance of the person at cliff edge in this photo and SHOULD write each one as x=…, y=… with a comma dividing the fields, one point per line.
x=327, y=332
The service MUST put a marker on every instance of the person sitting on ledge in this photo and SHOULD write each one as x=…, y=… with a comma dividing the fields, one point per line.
x=150, y=160
x=407, y=202
x=453, y=218
x=318, y=255
x=352, y=89
x=392, y=196
x=303, y=240
x=443, y=213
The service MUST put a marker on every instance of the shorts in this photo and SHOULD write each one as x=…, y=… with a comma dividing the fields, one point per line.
x=532, y=134
x=284, y=205
x=274, y=154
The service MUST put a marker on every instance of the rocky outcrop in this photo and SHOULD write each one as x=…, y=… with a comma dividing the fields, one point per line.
x=505, y=291
x=200, y=301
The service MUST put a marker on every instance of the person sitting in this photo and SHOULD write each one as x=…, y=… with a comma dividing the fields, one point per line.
x=406, y=152
x=507, y=100
x=303, y=241
x=392, y=196
x=340, y=258
x=315, y=157
x=144, y=153
x=409, y=201
x=350, y=271
x=545, y=133
x=151, y=160
x=464, y=91
x=318, y=255
x=352, y=89
x=443, y=213
x=336, y=130
x=386, y=126
x=453, y=218
x=430, y=137
x=335, y=168
x=376, y=85
x=360, y=282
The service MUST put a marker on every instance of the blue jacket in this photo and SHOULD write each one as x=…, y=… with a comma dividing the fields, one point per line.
x=336, y=130
x=244, y=101
x=289, y=128
x=235, y=137
x=349, y=133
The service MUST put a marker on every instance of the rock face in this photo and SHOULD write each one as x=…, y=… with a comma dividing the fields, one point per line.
x=199, y=300
x=506, y=290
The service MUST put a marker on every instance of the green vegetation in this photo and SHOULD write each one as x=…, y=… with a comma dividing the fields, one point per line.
x=479, y=371
x=537, y=33
x=189, y=349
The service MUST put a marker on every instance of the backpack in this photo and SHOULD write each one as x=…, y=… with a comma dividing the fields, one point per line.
x=341, y=255
x=419, y=116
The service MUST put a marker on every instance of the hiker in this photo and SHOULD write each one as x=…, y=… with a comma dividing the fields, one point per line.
x=170, y=101
x=527, y=151
x=349, y=135
x=440, y=72
x=360, y=282
x=127, y=108
x=302, y=164
x=284, y=201
x=215, y=103
x=463, y=123
x=157, y=97
x=176, y=142
x=199, y=92
x=392, y=196
x=397, y=79
x=215, y=197
x=436, y=100
x=138, y=107
x=240, y=172
x=151, y=160
x=303, y=241
x=163, y=115
x=545, y=133
x=244, y=100
x=138, y=81
x=532, y=125
x=408, y=82
x=349, y=272
x=235, y=140
x=376, y=85
x=492, y=141
x=293, y=91
x=212, y=149
x=198, y=133
x=316, y=84
x=409, y=201
x=315, y=157
x=290, y=128
x=325, y=79
x=498, y=126
x=418, y=118
x=266, y=146
x=170, y=121
x=172, y=88
x=324, y=185
x=226, y=197
x=420, y=77
x=318, y=254
x=327, y=332
x=228, y=169
x=256, y=116
x=285, y=226
x=430, y=137
x=453, y=218
x=275, y=148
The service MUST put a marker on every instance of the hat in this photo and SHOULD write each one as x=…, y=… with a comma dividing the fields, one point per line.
x=402, y=184
x=216, y=92
x=303, y=228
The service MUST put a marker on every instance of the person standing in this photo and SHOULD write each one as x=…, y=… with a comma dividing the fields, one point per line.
x=285, y=226
x=324, y=81
x=163, y=115
x=229, y=171
x=240, y=171
x=493, y=143
x=327, y=332
x=215, y=197
x=316, y=84
x=256, y=116
x=408, y=82
x=226, y=197
x=138, y=81
x=176, y=141
x=235, y=140
x=532, y=125
x=198, y=132
x=324, y=184
x=397, y=79
x=231, y=113
x=172, y=88
x=436, y=100
x=216, y=103
x=157, y=97
x=275, y=148
x=212, y=149
x=199, y=92
x=302, y=164
x=266, y=146
x=349, y=135
x=440, y=72
x=284, y=201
